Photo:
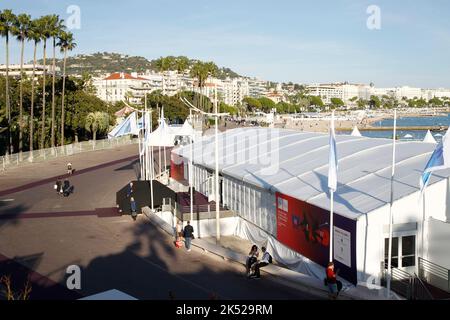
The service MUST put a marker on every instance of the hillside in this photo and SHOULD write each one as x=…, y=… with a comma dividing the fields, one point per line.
x=105, y=62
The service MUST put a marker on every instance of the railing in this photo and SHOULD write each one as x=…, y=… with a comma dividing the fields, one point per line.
x=401, y=281
x=420, y=290
x=434, y=274
x=19, y=159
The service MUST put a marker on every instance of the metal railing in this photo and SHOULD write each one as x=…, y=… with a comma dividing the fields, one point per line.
x=434, y=274
x=420, y=290
x=401, y=281
x=19, y=159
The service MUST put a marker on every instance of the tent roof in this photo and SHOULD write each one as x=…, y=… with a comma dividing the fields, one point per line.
x=301, y=166
x=429, y=138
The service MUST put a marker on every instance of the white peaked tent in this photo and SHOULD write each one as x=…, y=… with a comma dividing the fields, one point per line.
x=163, y=136
x=408, y=136
x=356, y=133
x=128, y=126
x=429, y=138
x=185, y=130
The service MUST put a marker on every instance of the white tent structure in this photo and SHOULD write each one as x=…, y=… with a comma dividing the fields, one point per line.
x=355, y=132
x=276, y=182
x=429, y=138
x=127, y=127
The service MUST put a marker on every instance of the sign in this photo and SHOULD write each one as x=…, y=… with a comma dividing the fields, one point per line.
x=342, y=247
x=305, y=229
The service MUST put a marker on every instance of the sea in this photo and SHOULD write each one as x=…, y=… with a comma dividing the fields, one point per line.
x=410, y=135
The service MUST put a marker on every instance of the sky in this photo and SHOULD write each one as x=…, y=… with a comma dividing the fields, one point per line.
x=285, y=40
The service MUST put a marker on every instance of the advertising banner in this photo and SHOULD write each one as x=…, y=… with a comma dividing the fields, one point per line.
x=306, y=229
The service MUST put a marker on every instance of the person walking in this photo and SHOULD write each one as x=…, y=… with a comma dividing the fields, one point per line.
x=188, y=235
x=265, y=261
x=130, y=190
x=69, y=169
x=133, y=208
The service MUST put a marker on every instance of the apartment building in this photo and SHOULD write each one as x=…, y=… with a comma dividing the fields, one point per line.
x=14, y=70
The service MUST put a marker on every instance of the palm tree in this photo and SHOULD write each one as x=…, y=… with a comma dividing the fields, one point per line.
x=35, y=35
x=20, y=30
x=45, y=24
x=66, y=43
x=96, y=122
x=56, y=26
x=7, y=21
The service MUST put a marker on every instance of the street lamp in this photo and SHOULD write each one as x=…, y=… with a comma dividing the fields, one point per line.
x=216, y=115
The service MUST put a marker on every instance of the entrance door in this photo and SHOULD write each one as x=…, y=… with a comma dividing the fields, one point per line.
x=403, y=252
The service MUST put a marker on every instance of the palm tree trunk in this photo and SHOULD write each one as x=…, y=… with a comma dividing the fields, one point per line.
x=32, y=99
x=95, y=135
x=43, y=100
x=21, y=100
x=8, y=105
x=53, y=94
x=63, y=92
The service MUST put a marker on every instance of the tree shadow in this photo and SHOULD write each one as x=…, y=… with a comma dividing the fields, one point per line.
x=20, y=271
x=152, y=268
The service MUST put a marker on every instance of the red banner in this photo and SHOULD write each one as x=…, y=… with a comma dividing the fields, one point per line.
x=304, y=228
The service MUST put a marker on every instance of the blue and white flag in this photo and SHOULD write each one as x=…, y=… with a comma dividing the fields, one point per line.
x=333, y=160
x=440, y=159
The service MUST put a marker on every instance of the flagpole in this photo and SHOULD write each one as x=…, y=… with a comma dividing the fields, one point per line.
x=331, y=224
x=217, y=167
x=191, y=168
x=332, y=181
x=390, y=208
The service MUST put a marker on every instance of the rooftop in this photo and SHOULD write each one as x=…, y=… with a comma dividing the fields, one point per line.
x=296, y=164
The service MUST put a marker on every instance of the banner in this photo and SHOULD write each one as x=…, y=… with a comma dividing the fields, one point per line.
x=305, y=229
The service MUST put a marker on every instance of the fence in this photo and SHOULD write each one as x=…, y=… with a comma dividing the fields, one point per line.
x=18, y=159
x=434, y=274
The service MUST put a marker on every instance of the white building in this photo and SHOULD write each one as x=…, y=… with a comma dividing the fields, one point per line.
x=276, y=182
x=117, y=87
x=14, y=70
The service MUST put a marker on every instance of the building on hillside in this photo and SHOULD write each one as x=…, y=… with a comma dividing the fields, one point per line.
x=14, y=70
x=117, y=87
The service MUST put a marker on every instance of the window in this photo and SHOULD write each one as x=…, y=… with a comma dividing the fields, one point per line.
x=394, y=252
x=403, y=251
x=409, y=251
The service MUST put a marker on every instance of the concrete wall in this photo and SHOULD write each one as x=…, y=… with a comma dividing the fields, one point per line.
x=438, y=242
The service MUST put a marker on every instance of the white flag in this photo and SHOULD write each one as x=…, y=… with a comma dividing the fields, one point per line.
x=333, y=161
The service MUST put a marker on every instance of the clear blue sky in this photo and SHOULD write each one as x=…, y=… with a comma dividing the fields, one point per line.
x=284, y=40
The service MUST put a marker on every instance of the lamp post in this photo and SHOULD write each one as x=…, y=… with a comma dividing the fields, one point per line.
x=216, y=115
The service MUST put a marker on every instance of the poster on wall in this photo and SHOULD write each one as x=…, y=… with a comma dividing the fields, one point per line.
x=306, y=229
x=342, y=246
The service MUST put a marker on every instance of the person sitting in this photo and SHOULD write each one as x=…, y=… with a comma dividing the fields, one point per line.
x=331, y=281
x=252, y=259
x=265, y=261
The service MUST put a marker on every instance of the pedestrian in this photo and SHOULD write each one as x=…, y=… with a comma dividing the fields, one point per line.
x=178, y=234
x=252, y=258
x=133, y=208
x=188, y=235
x=265, y=261
x=69, y=168
x=57, y=186
x=331, y=281
x=66, y=188
x=130, y=190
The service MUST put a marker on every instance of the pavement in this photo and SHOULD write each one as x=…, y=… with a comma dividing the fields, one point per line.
x=42, y=233
x=235, y=249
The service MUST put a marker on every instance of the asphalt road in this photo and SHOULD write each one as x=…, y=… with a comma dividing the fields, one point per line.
x=41, y=234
